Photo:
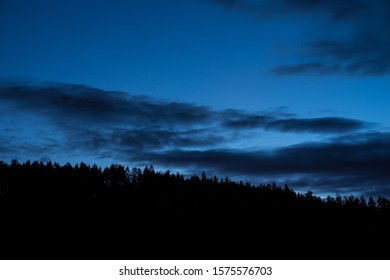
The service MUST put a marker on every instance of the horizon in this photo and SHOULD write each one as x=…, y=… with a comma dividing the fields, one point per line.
x=189, y=176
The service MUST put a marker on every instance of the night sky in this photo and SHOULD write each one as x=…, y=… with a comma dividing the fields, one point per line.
x=284, y=91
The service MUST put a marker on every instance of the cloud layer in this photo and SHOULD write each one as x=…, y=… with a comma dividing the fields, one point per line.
x=332, y=167
x=358, y=44
x=75, y=122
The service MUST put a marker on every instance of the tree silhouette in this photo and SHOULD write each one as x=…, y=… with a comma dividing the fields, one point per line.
x=81, y=211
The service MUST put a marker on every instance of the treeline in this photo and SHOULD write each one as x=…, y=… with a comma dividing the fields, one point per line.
x=33, y=178
x=50, y=210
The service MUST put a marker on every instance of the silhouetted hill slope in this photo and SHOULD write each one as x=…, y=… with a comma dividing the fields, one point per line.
x=49, y=211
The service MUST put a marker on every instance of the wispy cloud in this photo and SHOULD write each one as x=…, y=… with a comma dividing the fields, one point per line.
x=362, y=49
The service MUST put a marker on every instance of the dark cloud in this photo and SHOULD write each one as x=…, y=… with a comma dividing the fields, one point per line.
x=337, y=10
x=334, y=9
x=362, y=56
x=80, y=103
x=136, y=141
x=361, y=49
x=72, y=105
x=364, y=50
x=343, y=185
x=360, y=166
x=144, y=139
x=320, y=125
x=371, y=157
x=76, y=122
x=83, y=120
x=314, y=125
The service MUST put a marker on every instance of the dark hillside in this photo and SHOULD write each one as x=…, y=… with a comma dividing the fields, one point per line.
x=49, y=211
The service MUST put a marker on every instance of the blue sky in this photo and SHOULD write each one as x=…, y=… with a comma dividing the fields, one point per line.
x=291, y=91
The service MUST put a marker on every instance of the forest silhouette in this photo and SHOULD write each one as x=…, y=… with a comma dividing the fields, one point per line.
x=53, y=211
